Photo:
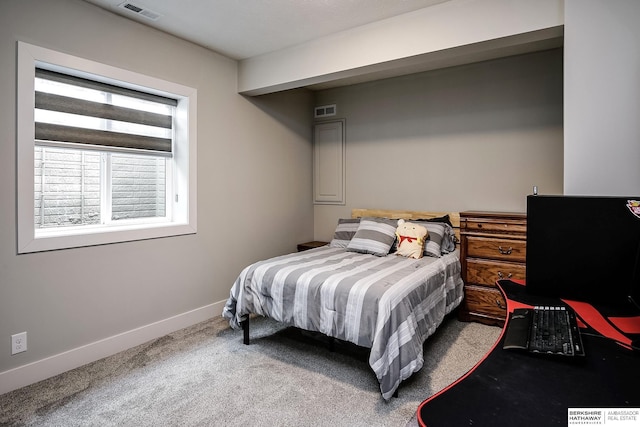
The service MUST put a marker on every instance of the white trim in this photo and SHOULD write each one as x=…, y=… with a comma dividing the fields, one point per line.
x=42, y=369
x=184, y=207
x=329, y=165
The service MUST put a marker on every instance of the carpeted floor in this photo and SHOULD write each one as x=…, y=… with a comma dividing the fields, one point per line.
x=204, y=376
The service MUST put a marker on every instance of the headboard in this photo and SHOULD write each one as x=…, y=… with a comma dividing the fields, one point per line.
x=454, y=217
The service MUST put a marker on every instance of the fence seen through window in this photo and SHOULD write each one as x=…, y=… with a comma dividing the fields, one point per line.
x=69, y=190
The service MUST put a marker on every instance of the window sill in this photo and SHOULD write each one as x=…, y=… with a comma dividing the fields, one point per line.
x=49, y=241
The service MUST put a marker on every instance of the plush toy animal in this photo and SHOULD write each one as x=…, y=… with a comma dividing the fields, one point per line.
x=411, y=238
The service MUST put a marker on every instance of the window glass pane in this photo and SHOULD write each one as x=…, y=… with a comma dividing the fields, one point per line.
x=138, y=186
x=67, y=187
x=86, y=122
x=141, y=104
x=54, y=117
x=48, y=86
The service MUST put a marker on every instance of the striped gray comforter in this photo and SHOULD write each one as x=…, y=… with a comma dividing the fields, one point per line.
x=389, y=304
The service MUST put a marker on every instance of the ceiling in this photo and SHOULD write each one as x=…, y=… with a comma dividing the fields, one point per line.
x=241, y=29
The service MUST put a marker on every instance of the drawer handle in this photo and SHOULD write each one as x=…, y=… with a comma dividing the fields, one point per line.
x=500, y=305
x=504, y=251
x=501, y=276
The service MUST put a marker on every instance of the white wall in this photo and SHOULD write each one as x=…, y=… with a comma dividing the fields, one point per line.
x=472, y=137
x=453, y=31
x=602, y=97
x=254, y=200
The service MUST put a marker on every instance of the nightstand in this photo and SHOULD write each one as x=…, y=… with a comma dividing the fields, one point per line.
x=492, y=247
x=311, y=245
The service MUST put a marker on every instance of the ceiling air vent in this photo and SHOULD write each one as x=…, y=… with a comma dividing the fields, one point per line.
x=325, y=111
x=149, y=14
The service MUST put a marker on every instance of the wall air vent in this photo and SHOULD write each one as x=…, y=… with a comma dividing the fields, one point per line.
x=141, y=11
x=325, y=111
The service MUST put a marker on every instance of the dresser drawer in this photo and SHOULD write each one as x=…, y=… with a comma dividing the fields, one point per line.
x=485, y=272
x=487, y=302
x=500, y=226
x=495, y=248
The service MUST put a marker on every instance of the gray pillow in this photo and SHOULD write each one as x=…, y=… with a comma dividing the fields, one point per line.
x=374, y=236
x=440, y=240
x=345, y=230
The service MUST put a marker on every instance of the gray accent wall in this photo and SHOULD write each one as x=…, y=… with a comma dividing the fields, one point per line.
x=476, y=136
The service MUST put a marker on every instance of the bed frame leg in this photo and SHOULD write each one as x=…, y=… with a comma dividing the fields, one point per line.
x=245, y=331
x=395, y=394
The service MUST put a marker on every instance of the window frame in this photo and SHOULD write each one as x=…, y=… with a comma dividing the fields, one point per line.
x=183, y=200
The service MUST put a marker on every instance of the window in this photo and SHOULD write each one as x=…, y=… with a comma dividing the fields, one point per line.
x=105, y=155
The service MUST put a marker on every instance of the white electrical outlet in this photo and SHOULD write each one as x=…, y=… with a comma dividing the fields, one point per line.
x=18, y=343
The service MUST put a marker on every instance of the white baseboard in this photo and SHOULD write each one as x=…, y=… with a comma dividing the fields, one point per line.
x=45, y=368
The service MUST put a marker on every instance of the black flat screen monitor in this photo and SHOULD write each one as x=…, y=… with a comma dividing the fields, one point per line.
x=584, y=248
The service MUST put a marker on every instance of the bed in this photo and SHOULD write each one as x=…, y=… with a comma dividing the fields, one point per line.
x=358, y=290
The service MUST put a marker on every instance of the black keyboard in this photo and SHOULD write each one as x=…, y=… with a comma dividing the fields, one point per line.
x=544, y=329
x=550, y=331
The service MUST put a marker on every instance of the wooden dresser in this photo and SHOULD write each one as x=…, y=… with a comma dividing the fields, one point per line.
x=492, y=247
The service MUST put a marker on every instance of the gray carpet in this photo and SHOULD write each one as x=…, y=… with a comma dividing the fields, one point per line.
x=204, y=376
